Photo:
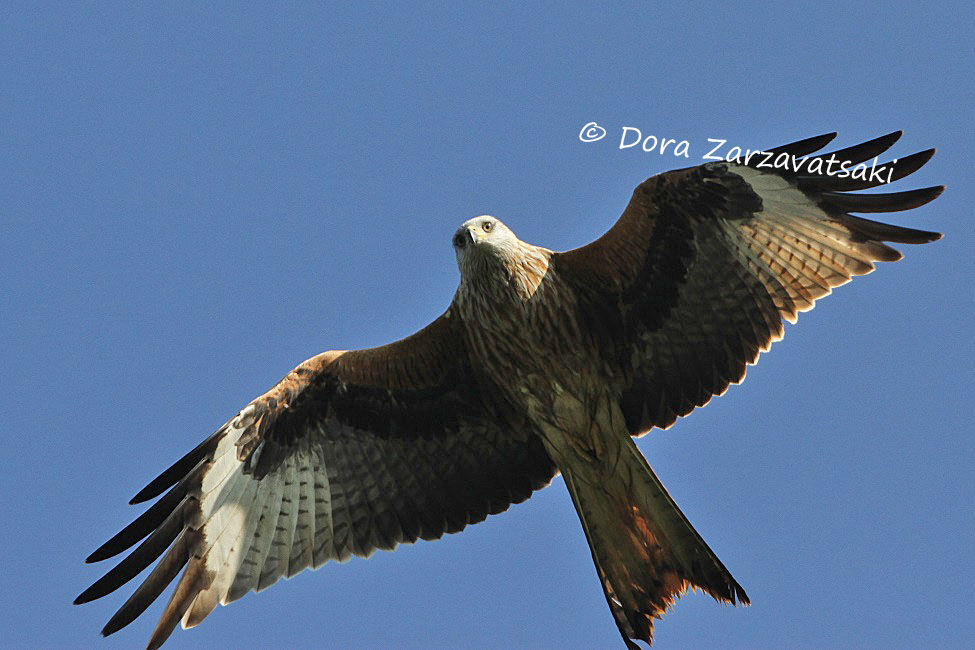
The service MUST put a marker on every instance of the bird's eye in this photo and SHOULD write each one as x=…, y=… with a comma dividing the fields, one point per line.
x=459, y=240
x=488, y=226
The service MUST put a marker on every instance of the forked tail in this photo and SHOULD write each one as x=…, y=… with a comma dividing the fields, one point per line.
x=646, y=552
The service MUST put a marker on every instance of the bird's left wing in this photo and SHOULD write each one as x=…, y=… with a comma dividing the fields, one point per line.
x=694, y=279
x=350, y=452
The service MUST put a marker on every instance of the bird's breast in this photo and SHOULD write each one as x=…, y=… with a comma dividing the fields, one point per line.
x=532, y=347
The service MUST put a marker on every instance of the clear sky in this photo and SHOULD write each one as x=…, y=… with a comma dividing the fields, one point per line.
x=196, y=198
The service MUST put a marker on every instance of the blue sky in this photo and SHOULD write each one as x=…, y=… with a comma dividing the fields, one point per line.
x=196, y=198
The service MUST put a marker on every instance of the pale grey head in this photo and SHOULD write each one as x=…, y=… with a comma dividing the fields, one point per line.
x=482, y=240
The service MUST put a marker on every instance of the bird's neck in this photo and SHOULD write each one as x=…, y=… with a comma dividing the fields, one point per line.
x=515, y=276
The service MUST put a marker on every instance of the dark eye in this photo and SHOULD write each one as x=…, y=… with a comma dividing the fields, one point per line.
x=488, y=226
x=459, y=240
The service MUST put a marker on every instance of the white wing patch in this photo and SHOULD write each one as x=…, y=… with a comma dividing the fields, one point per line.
x=795, y=248
x=254, y=532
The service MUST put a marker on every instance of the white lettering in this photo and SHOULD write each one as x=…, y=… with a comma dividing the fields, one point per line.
x=710, y=155
x=639, y=136
x=651, y=147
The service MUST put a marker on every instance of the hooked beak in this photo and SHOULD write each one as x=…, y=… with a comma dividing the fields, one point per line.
x=472, y=235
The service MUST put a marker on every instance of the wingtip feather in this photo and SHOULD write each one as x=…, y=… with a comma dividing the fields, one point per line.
x=175, y=472
x=805, y=146
x=866, y=150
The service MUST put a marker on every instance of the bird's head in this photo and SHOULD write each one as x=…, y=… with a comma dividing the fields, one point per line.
x=482, y=240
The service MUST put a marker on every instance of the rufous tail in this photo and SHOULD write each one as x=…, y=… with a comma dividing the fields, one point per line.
x=646, y=552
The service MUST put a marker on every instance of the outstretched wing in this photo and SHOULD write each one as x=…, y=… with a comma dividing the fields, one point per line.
x=705, y=262
x=350, y=452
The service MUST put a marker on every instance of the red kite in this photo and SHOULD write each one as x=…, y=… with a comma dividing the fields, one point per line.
x=543, y=363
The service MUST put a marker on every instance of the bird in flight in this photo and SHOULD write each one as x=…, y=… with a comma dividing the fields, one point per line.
x=544, y=363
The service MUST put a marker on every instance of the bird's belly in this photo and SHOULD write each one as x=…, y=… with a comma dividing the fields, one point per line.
x=565, y=393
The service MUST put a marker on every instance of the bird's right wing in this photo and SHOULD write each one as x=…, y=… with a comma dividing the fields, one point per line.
x=350, y=452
